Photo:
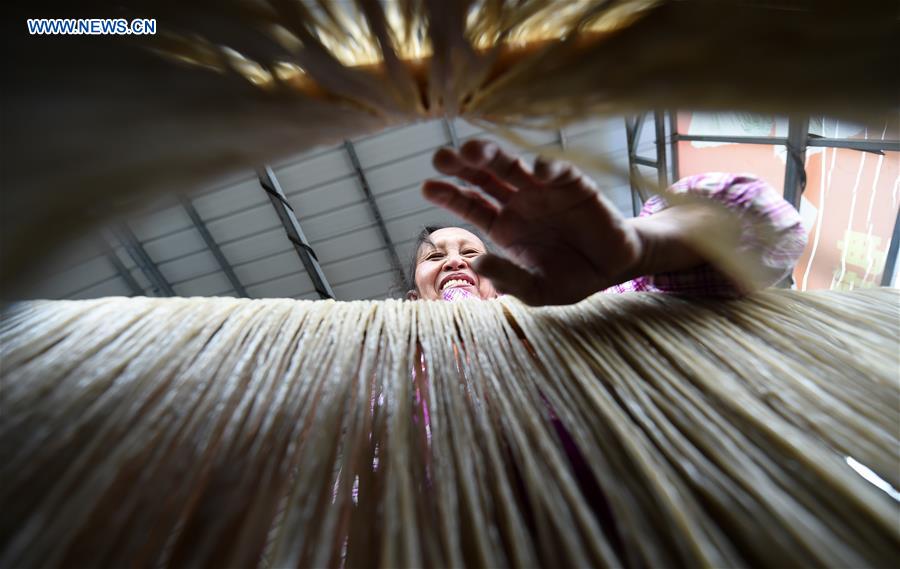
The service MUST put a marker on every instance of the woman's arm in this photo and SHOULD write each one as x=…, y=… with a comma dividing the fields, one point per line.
x=764, y=232
x=666, y=236
x=565, y=241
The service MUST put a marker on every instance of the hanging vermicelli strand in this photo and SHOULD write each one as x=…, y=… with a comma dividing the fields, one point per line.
x=637, y=430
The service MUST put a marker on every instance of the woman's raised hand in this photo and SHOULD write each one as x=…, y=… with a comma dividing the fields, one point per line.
x=564, y=240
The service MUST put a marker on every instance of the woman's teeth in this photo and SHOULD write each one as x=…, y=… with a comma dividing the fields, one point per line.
x=455, y=282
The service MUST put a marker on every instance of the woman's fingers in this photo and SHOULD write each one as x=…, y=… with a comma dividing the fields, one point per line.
x=487, y=155
x=448, y=162
x=500, y=174
x=546, y=169
x=509, y=278
x=555, y=172
x=468, y=204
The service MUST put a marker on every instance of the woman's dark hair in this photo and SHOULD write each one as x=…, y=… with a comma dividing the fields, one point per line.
x=425, y=237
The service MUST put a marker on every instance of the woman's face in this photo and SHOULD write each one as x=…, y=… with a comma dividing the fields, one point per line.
x=446, y=261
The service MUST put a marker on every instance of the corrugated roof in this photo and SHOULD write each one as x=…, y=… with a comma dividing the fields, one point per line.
x=327, y=198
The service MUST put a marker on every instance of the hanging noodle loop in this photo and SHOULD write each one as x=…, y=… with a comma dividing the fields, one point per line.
x=637, y=430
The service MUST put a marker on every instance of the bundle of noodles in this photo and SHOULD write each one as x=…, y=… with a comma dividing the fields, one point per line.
x=637, y=430
x=92, y=123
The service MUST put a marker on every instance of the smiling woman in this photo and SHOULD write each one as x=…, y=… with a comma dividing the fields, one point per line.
x=442, y=267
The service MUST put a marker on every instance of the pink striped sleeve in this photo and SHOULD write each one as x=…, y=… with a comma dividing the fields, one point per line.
x=771, y=232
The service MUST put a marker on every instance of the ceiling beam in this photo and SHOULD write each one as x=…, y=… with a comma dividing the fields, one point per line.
x=376, y=213
x=890, y=263
x=291, y=225
x=795, y=165
x=124, y=273
x=673, y=142
x=659, y=124
x=633, y=128
x=451, y=131
x=201, y=228
x=727, y=138
x=875, y=145
x=140, y=257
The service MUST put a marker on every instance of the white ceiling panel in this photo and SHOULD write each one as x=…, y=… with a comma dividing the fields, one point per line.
x=269, y=268
x=307, y=296
x=594, y=125
x=465, y=129
x=316, y=171
x=189, y=267
x=257, y=246
x=129, y=263
x=160, y=223
x=538, y=138
x=310, y=154
x=609, y=141
x=359, y=267
x=346, y=246
x=243, y=224
x=323, y=199
x=112, y=287
x=287, y=286
x=224, y=220
x=416, y=216
x=408, y=227
x=175, y=245
x=402, y=202
x=402, y=173
x=382, y=285
x=328, y=200
x=405, y=250
x=338, y=222
x=208, y=285
x=401, y=143
x=231, y=199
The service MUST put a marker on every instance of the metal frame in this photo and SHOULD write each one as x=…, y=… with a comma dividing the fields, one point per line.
x=124, y=273
x=796, y=143
x=143, y=260
x=869, y=145
x=291, y=225
x=678, y=137
x=376, y=213
x=875, y=146
x=201, y=228
x=659, y=121
x=634, y=126
x=451, y=132
x=890, y=263
x=795, y=168
x=673, y=144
